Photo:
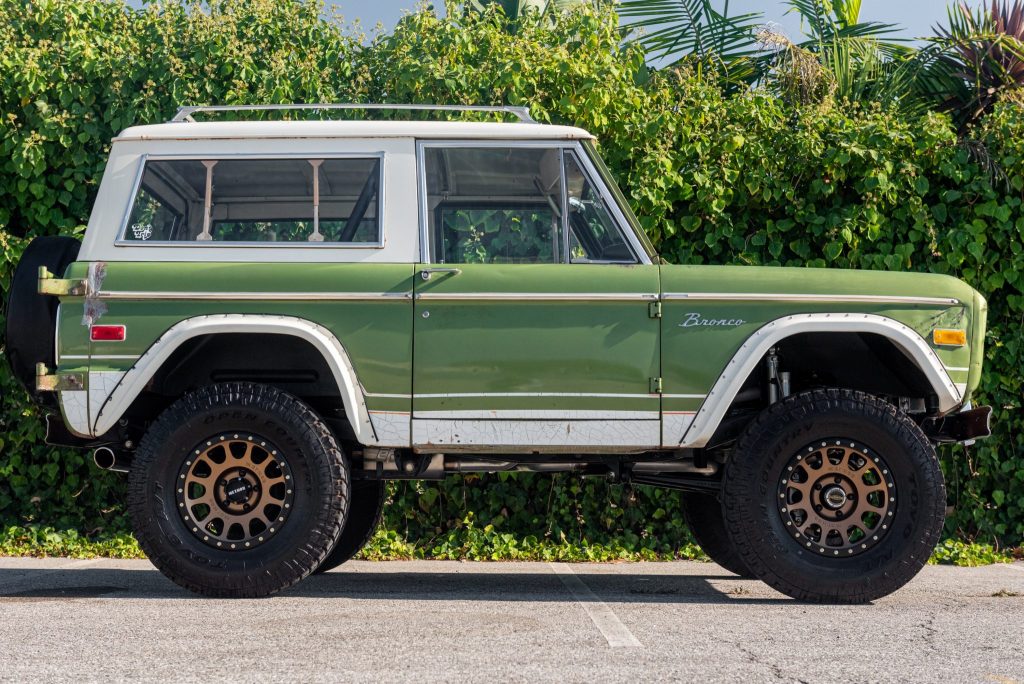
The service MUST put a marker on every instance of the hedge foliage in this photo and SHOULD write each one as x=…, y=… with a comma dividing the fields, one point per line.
x=715, y=179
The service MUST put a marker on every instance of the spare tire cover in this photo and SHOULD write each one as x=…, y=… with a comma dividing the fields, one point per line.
x=32, y=317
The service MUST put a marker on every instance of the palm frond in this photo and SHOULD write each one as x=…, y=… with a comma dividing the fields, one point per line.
x=846, y=12
x=976, y=59
x=672, y=31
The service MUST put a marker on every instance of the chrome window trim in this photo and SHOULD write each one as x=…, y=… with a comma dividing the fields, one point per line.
x=586, y=166
x=57, y=338
x=421, y=182
x=214, y=244
x=811, y=298
x=565, y=205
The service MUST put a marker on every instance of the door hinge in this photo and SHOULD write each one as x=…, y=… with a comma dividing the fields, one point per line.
x=654, y=309
x=655, y=385
x=51, y=285
x=60, y=382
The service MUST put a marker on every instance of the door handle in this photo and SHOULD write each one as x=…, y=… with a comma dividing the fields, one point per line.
x=428, y=272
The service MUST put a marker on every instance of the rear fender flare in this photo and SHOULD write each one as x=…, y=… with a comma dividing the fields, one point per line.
x=132, y=383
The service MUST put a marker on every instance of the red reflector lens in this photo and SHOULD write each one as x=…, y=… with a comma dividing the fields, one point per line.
x=107, y=333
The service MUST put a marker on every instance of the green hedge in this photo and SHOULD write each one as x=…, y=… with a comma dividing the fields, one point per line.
x=715, y=179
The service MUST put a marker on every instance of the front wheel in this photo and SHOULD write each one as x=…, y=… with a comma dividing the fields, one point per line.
x=238, y=490
x=834, y=496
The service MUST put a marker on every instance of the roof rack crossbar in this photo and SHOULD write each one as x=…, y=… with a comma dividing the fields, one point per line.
x=185, y=113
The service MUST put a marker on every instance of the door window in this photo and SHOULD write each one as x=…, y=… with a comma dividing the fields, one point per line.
x=494, y=204
x=516, y=205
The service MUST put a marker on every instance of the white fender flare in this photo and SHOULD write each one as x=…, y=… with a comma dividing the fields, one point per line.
x=334, y=354
x=743, y=363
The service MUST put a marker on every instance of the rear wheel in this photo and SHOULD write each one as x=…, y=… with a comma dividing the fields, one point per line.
x=703, y=514
x=834, y=497
x=238, y=490
x=364, y=515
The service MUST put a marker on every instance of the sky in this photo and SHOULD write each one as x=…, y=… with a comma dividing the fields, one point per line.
x=916, y=16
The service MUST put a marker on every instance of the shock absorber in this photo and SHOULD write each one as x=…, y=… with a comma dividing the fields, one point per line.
x=772, y=367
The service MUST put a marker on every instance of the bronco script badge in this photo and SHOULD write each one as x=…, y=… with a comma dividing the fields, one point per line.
x=695, y=320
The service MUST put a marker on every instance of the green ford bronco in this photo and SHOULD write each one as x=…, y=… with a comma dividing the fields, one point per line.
x=267, y=320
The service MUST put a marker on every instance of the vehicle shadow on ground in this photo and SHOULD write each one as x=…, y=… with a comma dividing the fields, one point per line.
x=26, y=584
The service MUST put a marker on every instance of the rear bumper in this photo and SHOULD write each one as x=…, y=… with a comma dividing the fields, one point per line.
x=965, y=426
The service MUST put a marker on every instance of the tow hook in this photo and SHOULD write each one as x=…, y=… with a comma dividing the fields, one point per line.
x=963, y=427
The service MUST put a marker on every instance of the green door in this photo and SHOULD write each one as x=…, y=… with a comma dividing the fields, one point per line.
x=514, y=348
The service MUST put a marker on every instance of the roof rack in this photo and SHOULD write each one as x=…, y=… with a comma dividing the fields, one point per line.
x=185, y=113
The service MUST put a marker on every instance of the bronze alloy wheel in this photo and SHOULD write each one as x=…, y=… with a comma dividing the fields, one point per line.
x=235, y=492
x=837, y=497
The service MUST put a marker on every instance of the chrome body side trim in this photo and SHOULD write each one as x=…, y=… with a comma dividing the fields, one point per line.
x=540, y=296
x=810, y=298
x=145, y=295
x=538, y=414
x=757, y=345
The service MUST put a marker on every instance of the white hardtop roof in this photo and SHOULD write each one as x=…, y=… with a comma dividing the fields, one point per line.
x=188, y=130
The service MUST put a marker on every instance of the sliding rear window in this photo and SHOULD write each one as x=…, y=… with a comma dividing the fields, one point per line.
x=245, y=201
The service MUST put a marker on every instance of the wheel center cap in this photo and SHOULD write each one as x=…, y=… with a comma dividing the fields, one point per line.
x=237, y=490
x=834, y=497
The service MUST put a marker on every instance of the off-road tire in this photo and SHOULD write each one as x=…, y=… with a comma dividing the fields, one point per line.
x=364, y=515
x=317, y=467
x=757, y=529
x=703, y=514
x=31, y=317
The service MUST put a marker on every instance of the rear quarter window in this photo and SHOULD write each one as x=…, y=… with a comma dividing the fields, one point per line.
x=246, y=201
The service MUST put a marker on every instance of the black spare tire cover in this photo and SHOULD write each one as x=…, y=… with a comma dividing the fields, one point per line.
x=32, y=317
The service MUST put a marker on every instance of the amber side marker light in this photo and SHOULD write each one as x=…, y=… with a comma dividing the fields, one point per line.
x=107, y=333
x=950, y=338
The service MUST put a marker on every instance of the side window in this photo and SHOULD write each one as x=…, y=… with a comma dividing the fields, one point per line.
x=258, y=200
x=593, y=233
x=497, y=205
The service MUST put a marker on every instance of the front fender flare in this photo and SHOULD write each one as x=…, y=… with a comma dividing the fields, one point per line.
x=743, y=363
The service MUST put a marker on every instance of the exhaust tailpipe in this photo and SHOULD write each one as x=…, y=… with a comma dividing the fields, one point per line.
x=106, y=459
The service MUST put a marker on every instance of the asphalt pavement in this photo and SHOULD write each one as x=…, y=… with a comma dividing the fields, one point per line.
x=91, y=620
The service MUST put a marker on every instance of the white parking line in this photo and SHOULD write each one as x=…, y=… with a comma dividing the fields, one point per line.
x=615, y=633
